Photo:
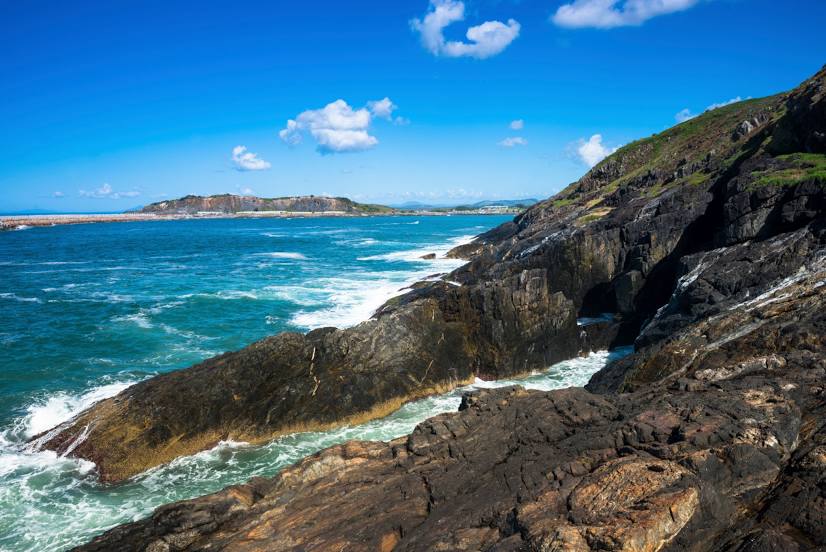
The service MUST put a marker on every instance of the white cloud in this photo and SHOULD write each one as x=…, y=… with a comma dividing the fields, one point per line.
x=485, y=40
x=337, y=127
x=448, y=193
x=607, y=14
x=382, y=108
x=58, y=194
x=247, y=161
x=518, y=124
x=512, y=141
x=685, y=114
x=246, y=191
x=291, y=134
x=724, y=104
x=593, y=151
x=106, y=192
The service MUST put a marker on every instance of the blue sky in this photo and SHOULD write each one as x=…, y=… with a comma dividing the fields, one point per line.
x=109, y=105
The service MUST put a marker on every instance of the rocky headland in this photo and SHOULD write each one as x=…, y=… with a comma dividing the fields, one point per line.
x=708, y=244
x=231, y=204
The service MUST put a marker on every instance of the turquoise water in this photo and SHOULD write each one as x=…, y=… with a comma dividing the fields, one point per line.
x=89, y=309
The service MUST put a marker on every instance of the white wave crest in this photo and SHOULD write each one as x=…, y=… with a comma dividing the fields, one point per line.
x=62, y=407
x=283, y=255
x=15, y=297
x=140, y=319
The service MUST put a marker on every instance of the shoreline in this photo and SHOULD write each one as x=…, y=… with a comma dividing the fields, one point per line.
x=21, y=222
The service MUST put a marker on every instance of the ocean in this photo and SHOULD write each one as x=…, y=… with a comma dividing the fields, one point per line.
x=89, y=309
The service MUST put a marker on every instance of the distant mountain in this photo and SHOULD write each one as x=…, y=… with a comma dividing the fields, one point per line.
x=419, y=206
x=415, y=205
x=229, y=203
x=504, y=203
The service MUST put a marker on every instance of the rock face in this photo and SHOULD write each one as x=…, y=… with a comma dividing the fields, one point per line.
x=712, y=465
x=708, y=244
x=228, y=203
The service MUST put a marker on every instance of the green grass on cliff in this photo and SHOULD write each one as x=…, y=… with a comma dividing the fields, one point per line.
x=373, y=208
x=691, y=153
x=687, y=142
x=798, y=168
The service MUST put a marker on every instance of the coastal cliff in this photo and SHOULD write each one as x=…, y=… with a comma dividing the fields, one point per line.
x=706, y=242
x=230, y=204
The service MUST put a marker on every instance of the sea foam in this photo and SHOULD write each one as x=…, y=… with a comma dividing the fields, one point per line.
x=283, y=255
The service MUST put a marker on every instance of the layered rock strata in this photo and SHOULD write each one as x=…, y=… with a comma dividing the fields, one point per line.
x=707, y=242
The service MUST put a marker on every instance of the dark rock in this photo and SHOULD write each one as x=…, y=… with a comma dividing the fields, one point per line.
x=518, y=470
x=708, y=437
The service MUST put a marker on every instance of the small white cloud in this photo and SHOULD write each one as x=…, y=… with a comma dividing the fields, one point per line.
x=686, y=114
x=593, y=151
x=512, y=141
x=518, y=124
x=382, y=109
x=608, y=14
x=337, y=127
x=401, y=121
x=724, y=104
x=485, y=40
x=106, y=192
x=247, y=161
x=291, y=134
x=58, y=194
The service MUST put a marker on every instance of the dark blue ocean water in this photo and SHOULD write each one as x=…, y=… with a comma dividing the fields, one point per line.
x=89, y=309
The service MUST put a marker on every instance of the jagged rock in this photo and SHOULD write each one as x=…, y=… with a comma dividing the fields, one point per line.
x=661, y=468
x=617, y=241
x=713, y=442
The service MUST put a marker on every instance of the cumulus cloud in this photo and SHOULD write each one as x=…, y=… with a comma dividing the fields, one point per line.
x=512, y=141
x=337, y=127
x=685, y=114
x=518, y=124
x=607, y=14
x=382, y=108
x=106, y=192
x=247, y=161
x=593, y=151
x=485, y=40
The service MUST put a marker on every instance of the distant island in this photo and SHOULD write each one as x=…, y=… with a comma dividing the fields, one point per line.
x=236, y=204
x=245, y=206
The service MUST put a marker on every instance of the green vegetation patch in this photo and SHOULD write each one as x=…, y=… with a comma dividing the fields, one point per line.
x=800, y=167
x=373, y=208
x=562, y=202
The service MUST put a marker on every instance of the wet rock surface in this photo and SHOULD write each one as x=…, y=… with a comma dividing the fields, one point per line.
x=709, y=251
x=708, y=466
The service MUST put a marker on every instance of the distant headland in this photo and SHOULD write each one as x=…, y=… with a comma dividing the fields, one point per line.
x=245, y=206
